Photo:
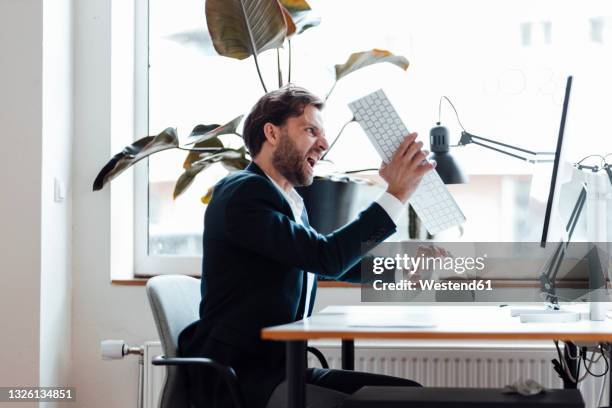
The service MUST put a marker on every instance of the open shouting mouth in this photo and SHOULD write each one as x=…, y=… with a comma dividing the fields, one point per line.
x=312, y=159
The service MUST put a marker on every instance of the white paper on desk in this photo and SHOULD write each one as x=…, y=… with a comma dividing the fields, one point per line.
x=365, y=319
x=393, y=320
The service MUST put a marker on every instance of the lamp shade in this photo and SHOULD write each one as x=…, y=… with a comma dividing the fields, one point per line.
x=449, y=170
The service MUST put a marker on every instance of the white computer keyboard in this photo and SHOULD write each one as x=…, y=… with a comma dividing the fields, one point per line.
x=432, y=201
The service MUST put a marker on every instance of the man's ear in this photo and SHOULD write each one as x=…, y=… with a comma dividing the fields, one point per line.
x=272, y=133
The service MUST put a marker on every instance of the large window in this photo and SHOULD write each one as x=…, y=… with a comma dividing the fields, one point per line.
x=502, y=63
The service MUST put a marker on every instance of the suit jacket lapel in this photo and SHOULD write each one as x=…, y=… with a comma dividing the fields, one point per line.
x=254, y=168
x=303, y=310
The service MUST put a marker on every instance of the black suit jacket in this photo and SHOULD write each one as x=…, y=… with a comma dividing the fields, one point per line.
x=254, y=261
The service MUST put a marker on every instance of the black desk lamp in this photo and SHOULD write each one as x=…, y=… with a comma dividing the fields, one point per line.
x=448, y=169
x=450, y=172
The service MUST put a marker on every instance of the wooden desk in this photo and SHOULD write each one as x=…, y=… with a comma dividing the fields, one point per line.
x=417, y=322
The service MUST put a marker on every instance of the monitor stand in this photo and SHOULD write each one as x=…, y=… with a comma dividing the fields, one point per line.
x=593, y=194
x=598, y=306
x=598, y=311
x=598, y=194
x=552, y=314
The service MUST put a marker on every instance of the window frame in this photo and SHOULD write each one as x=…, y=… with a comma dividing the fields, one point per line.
x=145, y=264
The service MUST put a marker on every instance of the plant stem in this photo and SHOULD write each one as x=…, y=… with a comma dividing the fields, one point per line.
x=331, y=90
x=280, y=73
x=200, y=149
x=259, y=73
x=289, y=74
x=337, y=137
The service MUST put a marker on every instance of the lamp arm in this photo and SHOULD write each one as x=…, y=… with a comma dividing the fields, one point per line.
x=467, y=138
x=501, y=151
x=549, y=276
x=608, y=171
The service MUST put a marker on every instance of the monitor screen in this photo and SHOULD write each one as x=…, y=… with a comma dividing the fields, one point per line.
x=554, y=188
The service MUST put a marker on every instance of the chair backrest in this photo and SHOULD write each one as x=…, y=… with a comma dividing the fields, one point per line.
x=174, y=301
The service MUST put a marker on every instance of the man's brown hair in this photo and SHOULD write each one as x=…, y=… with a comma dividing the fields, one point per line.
x=276, y=107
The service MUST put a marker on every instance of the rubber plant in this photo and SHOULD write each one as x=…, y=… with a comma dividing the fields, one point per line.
x=239, y=29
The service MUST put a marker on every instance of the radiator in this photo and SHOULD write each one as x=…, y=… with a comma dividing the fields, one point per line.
x=433, y=364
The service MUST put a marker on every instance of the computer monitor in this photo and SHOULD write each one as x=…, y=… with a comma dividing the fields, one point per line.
x=589, y=264
x=555, y=179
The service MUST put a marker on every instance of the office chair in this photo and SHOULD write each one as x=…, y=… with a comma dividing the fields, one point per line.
x=175, y=301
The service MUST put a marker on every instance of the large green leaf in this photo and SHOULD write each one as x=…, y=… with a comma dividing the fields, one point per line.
x=131, y=154
x=200, y=130
x=230, y=164
x=205, y=133
x=185, y=180
x=213, y=144
x=363, y=59
x=301, y=14
x=241, y=28
x=238, y=163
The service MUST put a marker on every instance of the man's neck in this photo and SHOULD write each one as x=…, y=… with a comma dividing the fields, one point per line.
x=271, y=172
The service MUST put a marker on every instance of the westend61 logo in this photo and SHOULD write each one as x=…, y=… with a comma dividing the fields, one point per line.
x=411, y=264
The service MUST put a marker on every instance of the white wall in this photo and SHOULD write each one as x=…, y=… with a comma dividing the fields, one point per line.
x=20, y=178
x=36, y=119
x=37, y=345
x=100, y=311
x=56, y=226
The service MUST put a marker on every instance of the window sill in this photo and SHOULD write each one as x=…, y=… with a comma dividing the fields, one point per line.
x=130, y=282
x=143, y=282
x=501, y=283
